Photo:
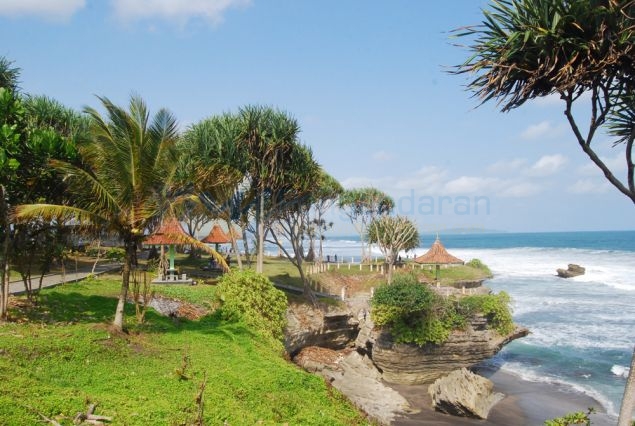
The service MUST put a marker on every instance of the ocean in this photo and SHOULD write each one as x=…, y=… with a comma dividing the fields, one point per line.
x=582, y=328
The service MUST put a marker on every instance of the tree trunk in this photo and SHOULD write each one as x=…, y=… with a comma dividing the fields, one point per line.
x=4, y=255
x=125, y=285
x=261, y=235
x=246, y=246
x=230, y=229
x=628, y=402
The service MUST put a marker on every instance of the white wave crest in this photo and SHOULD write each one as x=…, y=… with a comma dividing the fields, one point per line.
x=620, y=371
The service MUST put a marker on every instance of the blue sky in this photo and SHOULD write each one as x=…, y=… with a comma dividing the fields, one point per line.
x=365, y=79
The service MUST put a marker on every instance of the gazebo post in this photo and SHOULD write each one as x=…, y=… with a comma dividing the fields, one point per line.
x=171, y=254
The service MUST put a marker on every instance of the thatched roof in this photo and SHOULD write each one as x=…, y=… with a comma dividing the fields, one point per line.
x=170, y=232
x=438, y=255
x=216, y=236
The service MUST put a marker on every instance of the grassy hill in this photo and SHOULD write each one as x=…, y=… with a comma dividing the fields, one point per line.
x=59, y=356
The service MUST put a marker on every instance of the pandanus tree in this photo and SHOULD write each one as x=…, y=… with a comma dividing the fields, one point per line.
x=123, y=183
x=324, y=195
x=216, y=167
x=362, y=206
x=393, y=234
x=269, y=138
x=580, y=50
x=287, y=207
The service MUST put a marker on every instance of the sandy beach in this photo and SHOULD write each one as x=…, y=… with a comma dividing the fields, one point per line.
x=525, y=403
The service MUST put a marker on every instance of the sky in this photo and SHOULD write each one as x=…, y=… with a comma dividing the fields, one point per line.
x=367, y=80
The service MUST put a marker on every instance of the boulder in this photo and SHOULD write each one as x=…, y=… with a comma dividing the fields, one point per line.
x=572, y=270
x=463, y=393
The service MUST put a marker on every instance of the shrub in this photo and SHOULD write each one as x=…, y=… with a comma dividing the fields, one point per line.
x=250, y=297
x=494, y=306
x=416, y=314
x=115, y=254
x=477, y=264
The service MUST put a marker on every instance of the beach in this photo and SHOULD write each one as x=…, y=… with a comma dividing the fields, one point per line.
x=525, y=404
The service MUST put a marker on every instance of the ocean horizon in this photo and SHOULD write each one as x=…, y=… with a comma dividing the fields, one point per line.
x=582, y=328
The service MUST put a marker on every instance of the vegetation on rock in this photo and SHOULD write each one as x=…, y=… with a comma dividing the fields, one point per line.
x=415, y=313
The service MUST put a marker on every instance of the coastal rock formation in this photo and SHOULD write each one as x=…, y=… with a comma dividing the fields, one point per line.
x=463, y=393
x=413, y=364
x=356, y=377
x=331, y=328
x=572, y=270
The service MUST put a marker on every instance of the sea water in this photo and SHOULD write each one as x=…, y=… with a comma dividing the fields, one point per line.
x=582, y=328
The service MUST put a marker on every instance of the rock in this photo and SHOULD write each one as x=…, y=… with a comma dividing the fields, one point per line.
x=414, y=364
x=463, y=393
x=328, y=327
x=356, y=377
x=572, y=270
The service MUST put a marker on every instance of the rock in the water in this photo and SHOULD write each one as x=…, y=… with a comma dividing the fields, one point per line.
x=572, y=270
x=463, y=393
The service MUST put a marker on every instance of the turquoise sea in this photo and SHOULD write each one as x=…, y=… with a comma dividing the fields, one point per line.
x=582, y=329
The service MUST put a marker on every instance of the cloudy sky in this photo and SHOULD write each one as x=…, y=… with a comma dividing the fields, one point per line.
x=366, y=79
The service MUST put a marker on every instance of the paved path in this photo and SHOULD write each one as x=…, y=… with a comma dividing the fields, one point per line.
x=17, y=287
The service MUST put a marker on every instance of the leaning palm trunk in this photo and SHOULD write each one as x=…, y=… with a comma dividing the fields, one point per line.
x=628, y=402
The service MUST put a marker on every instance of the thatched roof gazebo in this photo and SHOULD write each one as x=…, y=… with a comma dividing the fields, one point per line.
x=438, y=255
x=169, y=233
x=216, y=236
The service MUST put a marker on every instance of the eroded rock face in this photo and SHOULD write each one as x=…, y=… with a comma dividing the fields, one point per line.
x=463, y=393
x=413, y=364
x=572, y=270
x=330, y=328
x=356, y=377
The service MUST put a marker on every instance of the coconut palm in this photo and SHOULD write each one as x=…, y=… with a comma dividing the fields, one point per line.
x=123, y=184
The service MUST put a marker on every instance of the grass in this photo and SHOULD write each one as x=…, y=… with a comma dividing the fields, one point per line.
x=59, y=355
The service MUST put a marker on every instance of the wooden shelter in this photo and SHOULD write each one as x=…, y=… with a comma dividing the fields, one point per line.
x=169, y=233
x=438, y=255
x=216, y=236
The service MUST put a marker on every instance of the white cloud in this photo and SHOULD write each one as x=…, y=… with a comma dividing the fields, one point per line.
x=547, y=165
x=471, y=185
x=520, y=190
x=540, y=130
x=383, y=156
x=507, y=166
x=180, y=11
x=56, y=10
x=428, y=179
x=589, y=186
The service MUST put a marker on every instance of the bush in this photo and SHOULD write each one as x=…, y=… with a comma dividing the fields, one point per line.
x=495, y=307
x=477, y=264
x=416, y=314
x=115, y=254
x=250, y=297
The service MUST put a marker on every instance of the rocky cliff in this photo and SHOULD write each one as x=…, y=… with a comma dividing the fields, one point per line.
x=338, y=328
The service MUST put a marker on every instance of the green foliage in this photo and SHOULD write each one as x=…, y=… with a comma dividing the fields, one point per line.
x=494, y=306
x=416, y=314
x=477, y=264
x=115, y=254
x=70, y=357
x=578, y=418
x=251, y=298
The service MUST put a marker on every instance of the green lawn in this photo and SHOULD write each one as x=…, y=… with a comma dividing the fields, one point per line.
x=60, y=355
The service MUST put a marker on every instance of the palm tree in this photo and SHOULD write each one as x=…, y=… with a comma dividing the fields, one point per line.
x=123, y=182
